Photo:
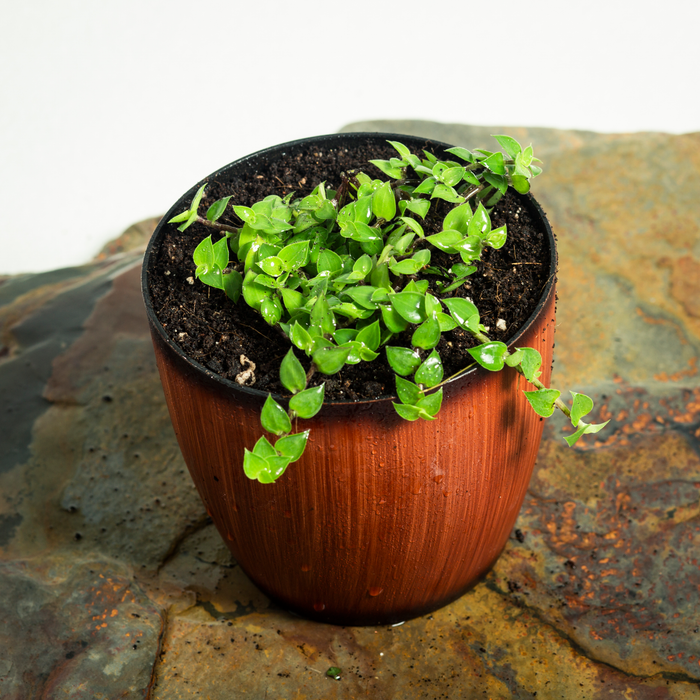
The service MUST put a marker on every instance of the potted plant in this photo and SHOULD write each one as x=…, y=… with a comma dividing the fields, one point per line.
x=408, y=415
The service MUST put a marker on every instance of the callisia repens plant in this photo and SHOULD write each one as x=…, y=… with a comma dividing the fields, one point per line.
x=339, y=272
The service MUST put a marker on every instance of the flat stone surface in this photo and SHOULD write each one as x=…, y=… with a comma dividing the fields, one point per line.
x=114, y=583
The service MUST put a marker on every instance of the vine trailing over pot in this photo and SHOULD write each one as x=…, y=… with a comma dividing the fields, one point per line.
x=342, y=272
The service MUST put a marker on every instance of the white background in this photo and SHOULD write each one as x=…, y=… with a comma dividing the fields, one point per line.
x=110, y=110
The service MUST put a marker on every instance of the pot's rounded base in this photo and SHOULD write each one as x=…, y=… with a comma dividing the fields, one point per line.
x=392, y=618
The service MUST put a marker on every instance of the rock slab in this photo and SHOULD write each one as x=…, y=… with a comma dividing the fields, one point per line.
x=114, y=583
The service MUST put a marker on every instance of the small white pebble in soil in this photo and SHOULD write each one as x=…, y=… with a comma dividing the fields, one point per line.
x=501, y=324
x=487, y=329
x=190, y=280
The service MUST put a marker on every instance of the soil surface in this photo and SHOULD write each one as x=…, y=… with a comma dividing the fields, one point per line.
x=219, y=334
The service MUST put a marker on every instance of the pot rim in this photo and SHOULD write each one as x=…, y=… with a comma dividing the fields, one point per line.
x=262, y=154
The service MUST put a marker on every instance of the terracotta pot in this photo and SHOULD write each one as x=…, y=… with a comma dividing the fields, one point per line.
x=381, y=519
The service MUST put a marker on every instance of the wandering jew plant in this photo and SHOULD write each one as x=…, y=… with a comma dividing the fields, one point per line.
x=339, y=273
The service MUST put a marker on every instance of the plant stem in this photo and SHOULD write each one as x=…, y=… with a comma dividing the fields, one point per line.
x=216, y=225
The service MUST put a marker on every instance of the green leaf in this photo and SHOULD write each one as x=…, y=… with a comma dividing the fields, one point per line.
x=407, y=412
x=431, y=403
x=464, y=312
x=542, y=401
x=233, y=283
x=254, y=465
x=384, y=202
x=530, y=363
x=263, y=448
x=294, y=255
x=582, y=405
x=445, y=240
x=363, y=265
x=584, y=429
x=392, y=320
x=274, y=418
x=402, y=150
x=292, y=446
x=272, y=266
x=254, y=294
x=407, y=266
x=370, y=336
x=331, y=360
x=271, y=310
x=407, y=392
x=246, y=214
x=452, y=176
x=430, y=373
x=458, y=219
x=500, y=182
x=508, y=144
x=480, y=223
x=418, y=206
x=329, y=261
x=449, y=194
x=490, y=355
x=497, y=237
x=413, y=225
x=427, y=335
x=520, y=184
x=276, y=467
x=426, y=187
x=495, y=163
x=385, y=166
x=292, y=299
x=307, y=403
x=362, y=295
x=403, y=361
x=292, y=374
x=447, y=323
x=301, y=337
x=462, y=153
x=409, y=305
x=217, y=209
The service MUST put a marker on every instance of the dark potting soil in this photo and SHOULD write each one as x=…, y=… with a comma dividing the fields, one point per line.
x=227, y=337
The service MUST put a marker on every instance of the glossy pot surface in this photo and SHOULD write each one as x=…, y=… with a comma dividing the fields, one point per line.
x=381, y=519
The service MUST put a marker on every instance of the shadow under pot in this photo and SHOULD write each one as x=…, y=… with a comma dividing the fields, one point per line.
x=381, y=519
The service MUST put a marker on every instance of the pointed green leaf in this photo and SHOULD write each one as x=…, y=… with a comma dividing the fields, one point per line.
x=263, y=448
x=274, y=418
x=462, y=153
x=292, y=446
x=384, y=202
x=233, y=283
x=407, y=412
x=254, y=465
x=246, y=214
x=403, y=361
x=508, y=144
x=292, y=374
x=462, y=310
x=370, y=336
x=409, y=305
x=431, y=403
x=530, y=362
x=386, y=167
x=301, y=337
x=419, y=207
x=392, y=320
x=331, y=360
x=449, y=194
x=271, y=310
x=430, y=373
x=480, y=223
x=217, y=209
x=307, y=403
x=584, y=429
x=497, y=237
x=458, y=219
x=582, y=405
x=407, y=392
x=427, y=335
x=445, y=240
x=490, y=355
x=542, y=401
x=276, y=467
x=495, y=163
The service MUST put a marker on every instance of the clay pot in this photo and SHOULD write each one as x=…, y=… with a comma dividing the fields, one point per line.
x=381, y=519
